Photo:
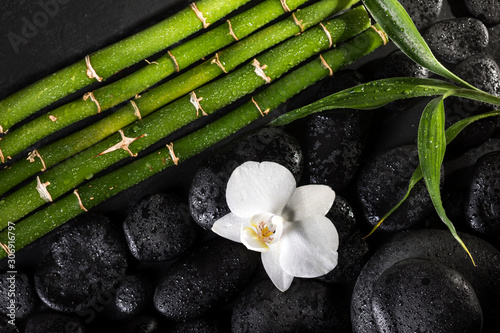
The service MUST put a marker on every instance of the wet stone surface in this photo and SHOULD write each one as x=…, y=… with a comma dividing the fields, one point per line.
x=132, y=295
x=353, y=249
x=85, y=261
x=383, y=182
x=159, y=228
x=482, y=72
x=308, y=306
x=336, y=139
x=439, y=247
x=417, y=295
x=483, y=206
x=488, y=11
x=201, y=325
x=48, y=321
x=207, y=195
x=455, y=40
x=25, y=297
x=423, y=12
x=206, y=278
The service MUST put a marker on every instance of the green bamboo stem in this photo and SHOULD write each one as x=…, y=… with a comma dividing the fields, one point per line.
x=111, y=95
x=111, y=59
x=67, y=175
x=105, y=187
x=150, y=101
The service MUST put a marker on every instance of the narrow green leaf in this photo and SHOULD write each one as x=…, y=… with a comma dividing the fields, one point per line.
x=371, y=95
x=431, y=150
x=397, y=24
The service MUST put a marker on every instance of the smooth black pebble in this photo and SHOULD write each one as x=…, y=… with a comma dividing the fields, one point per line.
x=87, y=258
x=482, y=72
x=131, y=296
x=307, y=306
x=159, y=228
x=416, y=295
x=25, y=297
x=200, y=325
x=336, y=139
x=440, y=247
x=455, y=40
x=483, y=206
x=383, y=182
x=204, y=279
x=207, y=194
x=353, y=251
x=423, y=12
x=53, y=322
x=488, y=11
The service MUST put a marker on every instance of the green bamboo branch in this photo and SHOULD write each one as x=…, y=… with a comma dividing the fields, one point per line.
x=177, y=59
x=111, y=59
x=205, y=100
x=150, y=101
x=103, y=188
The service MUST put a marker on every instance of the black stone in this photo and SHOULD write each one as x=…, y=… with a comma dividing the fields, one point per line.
x=53, y=322
x=457, y=39
x=307, y=306
x=483, y=207
x=8, y=327
x=201, y=325
x=159, y=228
x=25, y=297
x=383, y=182
x=353, y=251
x=488, y=11
x=336, y=139
x=482, y=72
x=440, y=247
x=423, y=12
x=416, y=295
x=132, y=295
x=207, y=195
x=87, y=258
x=139, y=324
x=205, y=279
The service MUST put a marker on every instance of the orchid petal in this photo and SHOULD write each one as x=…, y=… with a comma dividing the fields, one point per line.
x=270, y=261
x=251, y=240
x=309, y=247
x=255, y=188
x=309, y=200
x=229, y=226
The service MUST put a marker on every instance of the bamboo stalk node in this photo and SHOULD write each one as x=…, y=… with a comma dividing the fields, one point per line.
x=216, y=61
x=174, y=158
x=33, y=155
x=137, y=112
x=196, y=102
x=1, y=129
x=328, y=35
x=151, y=62
x=381, y=33
x=199, y=14
x=123, y=144
x=176, y=64
x=52, y=118
x=42, y=190
x=2, y=158
x=231, y=31
x=298, y=23
x=259, y=70
x=5, y=248
x=90, y=95
x=80, y=203
x=91, y=73
x=262, y=113
x=285, y=6
x=325, y=64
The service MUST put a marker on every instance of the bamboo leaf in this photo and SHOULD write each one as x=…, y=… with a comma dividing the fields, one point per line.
x=371, y=95
x=431, y=150
x=397, y=24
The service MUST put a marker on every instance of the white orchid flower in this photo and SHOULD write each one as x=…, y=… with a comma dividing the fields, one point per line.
x=269, y=214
